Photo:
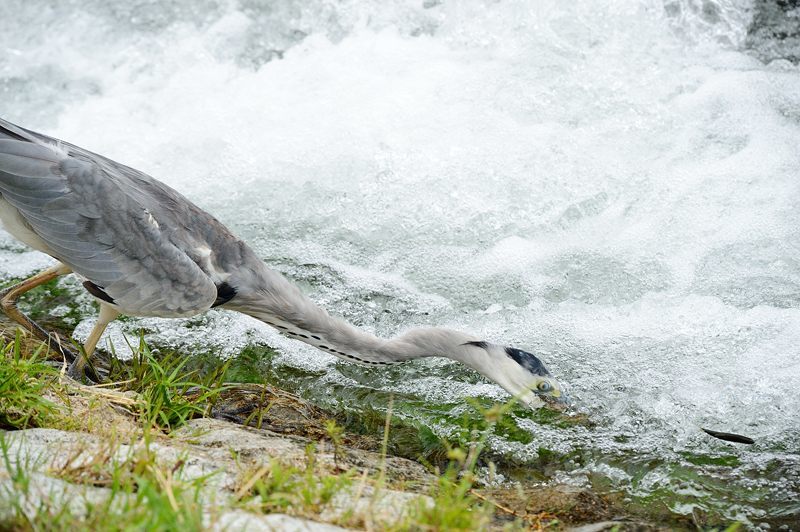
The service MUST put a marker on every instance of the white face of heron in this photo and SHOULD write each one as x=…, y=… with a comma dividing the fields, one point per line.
x=520, y=373
x=540, y=390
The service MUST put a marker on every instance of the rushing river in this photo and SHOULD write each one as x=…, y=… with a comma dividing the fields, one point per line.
x=613, y=185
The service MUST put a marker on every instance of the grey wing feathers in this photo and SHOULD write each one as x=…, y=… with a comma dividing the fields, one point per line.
x=87, y=220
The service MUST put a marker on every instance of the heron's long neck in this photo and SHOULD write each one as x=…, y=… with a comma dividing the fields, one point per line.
x=282, y=305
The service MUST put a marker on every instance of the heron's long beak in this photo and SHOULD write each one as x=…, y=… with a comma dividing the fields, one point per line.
x=556, y=399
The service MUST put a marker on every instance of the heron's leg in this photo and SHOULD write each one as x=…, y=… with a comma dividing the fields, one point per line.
x=8, y=302
x=107, y=315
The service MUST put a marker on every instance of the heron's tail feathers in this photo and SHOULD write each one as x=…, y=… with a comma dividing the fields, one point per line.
x=25, y=164
x=10, y=131
x=20, y=142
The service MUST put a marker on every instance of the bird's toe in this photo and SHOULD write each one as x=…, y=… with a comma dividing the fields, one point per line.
x=82, y=372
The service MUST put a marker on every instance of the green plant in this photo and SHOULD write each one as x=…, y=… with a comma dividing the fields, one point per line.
x=336, y=434
x=16, y=472
x=276, y=487
x=23, y=380
x=170, y=394
x=141, y=494
x=454, y=506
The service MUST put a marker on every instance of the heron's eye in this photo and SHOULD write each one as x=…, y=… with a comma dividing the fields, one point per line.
x=544, y=386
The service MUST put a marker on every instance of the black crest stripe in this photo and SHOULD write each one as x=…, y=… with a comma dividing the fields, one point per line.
x=527, y=361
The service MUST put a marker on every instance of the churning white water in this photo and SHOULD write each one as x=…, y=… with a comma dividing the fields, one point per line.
x=612, y=185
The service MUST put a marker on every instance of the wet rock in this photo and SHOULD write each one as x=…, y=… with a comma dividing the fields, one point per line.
x=774, y=33
x=54, y=495
x=46, y=493
x=63, y=453
x=380, y=508
x=259, y=445
x=72, y=468
x=241, y=520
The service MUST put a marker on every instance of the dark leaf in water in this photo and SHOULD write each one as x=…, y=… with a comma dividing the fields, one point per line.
x=727, y=436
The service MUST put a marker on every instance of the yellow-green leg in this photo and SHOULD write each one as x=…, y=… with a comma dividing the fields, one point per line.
x=107, y=315
x=8, y=302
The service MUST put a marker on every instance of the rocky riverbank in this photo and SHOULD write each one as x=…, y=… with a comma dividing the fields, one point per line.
x=97, y=456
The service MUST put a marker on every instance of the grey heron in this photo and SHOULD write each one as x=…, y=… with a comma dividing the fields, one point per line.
x=142, y=249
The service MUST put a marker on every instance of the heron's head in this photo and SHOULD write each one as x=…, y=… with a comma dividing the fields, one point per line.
x=520, y=373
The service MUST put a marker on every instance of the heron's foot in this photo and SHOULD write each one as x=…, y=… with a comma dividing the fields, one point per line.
x=82, y=371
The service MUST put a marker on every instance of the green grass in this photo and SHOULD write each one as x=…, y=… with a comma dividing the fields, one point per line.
x=454, y=507
x=170, y=393
x=23, y=380
x=280, y=488
x=141, y=495
x=145, y=495
x=451, y=504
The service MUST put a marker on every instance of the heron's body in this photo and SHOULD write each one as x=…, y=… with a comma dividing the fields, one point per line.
x=151, y=250
x=143, y=249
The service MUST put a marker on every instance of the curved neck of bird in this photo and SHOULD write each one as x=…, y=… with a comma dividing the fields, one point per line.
x=282, y=305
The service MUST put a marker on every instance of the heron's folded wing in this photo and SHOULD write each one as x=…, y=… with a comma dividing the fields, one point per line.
x=89, y=223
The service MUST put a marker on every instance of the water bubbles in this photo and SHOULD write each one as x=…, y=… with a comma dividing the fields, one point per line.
x=747, y=274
